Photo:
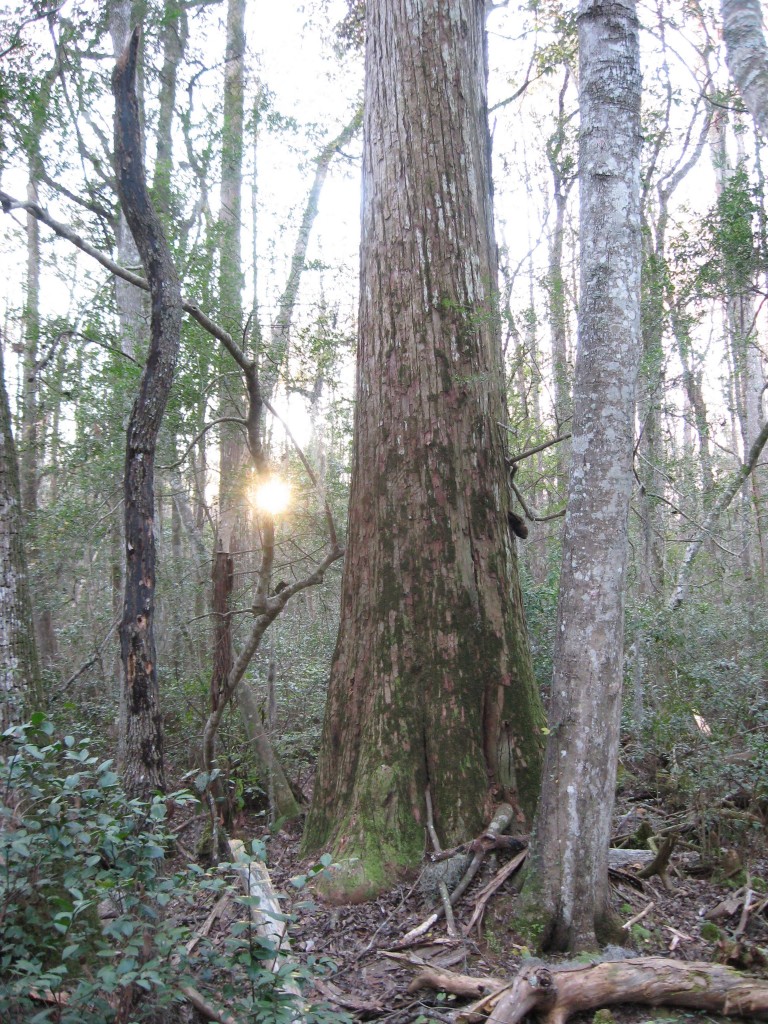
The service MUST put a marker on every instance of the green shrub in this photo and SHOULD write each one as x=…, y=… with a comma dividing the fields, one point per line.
x=86, y=936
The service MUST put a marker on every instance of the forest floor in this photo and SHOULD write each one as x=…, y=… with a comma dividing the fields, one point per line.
x=711, y=909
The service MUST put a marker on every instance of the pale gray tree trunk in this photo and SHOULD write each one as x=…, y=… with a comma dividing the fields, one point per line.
x=30, y=406
x=567, y=891
x=562, y=183
x=748, y=372
x=31, y=427
x=746, y=53
x=175, y=32
x=431, y=683
x=731, y=488
x=20, y=682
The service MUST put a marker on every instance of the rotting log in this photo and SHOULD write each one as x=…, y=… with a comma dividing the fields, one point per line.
x=556, y=994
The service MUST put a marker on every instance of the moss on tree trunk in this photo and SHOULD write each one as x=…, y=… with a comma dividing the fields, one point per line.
x=431, y=683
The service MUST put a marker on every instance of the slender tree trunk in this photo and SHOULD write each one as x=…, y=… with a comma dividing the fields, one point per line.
x=558, y=311
x=31, y=439
x=431, y=683
x=729, y=491
x=748, y=374
x=131, y=310
x=142, y=739
x=746, y=53
x=30, y=412
x=20, y=681
x=283, y=803
x=566, y=898
x=695, y=395
x=650, y=391
x=233, y=455
x=174, y=40
x=129, y=299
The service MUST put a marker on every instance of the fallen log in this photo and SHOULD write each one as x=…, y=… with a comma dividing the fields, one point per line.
x=555, y=994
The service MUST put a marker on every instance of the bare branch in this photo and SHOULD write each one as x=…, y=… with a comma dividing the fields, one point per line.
x=537, y=448
x=729, y=492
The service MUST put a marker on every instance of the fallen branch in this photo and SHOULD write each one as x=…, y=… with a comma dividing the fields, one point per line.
x=660, y=863
x=557, y=994
x=205, y=1008
x=457, y=984
x=480, y=847
x=495, y=883
x=638, y=917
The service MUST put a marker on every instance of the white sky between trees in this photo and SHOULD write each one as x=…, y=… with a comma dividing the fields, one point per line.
x=289, y=50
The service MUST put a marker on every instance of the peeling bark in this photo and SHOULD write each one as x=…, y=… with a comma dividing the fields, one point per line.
x=556, y=995
x=142, y=738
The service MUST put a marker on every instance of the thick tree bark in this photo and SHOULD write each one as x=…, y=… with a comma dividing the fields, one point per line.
x=142, y=739
x=431, y=682
x=567, y=891
x=746, y=54
x=20, y=683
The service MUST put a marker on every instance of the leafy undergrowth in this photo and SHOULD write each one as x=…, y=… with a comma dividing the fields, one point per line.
x=107, y=916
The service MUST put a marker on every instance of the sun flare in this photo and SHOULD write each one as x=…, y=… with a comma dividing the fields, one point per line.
x=272, y=496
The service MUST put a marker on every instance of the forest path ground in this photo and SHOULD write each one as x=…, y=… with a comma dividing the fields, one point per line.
x=369, y=985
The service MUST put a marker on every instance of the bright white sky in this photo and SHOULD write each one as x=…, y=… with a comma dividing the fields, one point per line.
x=289, y=46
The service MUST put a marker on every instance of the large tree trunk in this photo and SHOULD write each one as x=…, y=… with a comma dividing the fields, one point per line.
x=142, y=737
x=20, y=684
x=567, y=891
x=431, y=683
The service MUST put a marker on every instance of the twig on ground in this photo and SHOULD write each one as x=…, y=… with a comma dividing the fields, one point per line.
x=638, y=917
x=495, y=883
